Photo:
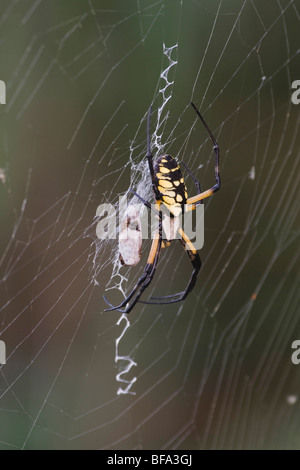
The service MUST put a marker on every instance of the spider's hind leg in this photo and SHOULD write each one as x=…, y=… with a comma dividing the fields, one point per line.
x=196, y=263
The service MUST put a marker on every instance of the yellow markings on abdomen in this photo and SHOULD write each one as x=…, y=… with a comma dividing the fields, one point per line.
x=165, y=184
x=163, y=169
x=170, y=193
x=170, y=183
x=170, y=201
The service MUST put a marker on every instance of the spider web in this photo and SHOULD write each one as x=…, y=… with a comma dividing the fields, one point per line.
x=214, y=371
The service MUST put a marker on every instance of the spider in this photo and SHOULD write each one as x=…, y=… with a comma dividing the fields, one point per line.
x=170, y=190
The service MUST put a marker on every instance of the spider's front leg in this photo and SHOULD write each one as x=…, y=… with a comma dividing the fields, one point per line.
x=150, y=158
x=199, y=197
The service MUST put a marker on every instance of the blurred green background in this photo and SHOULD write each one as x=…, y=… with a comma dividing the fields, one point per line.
x=214, y=371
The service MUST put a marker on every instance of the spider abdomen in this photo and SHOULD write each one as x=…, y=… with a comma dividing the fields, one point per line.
x=170, y=183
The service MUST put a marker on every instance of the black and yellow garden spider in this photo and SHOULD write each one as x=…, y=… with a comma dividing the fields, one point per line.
x=170, y=190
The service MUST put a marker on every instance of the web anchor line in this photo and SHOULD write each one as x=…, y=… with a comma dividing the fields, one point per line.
x=165, y=90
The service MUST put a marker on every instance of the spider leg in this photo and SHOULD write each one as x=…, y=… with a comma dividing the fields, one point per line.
x=196, y=199
x=146, y=203
x=142, y=283
x=196, y=263
x=150, y=158
x=147, y=275
x=196, y=181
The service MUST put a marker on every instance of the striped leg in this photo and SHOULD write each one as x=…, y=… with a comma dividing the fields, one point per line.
x=196, y=262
